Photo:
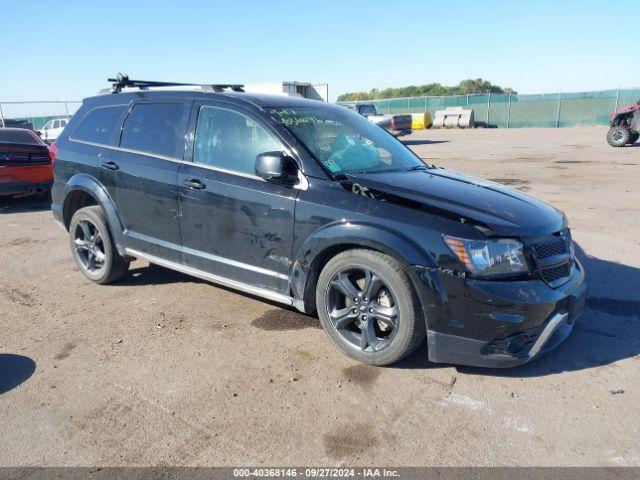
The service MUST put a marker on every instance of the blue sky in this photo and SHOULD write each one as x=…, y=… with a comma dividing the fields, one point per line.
x=68, y=48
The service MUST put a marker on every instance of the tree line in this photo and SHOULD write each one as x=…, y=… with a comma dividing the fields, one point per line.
x=430, y=89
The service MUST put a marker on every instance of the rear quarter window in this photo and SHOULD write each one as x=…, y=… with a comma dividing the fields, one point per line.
x=156, y=128
x=99, y=124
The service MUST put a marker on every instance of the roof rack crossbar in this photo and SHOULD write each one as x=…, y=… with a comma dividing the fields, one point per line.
x=122, y=81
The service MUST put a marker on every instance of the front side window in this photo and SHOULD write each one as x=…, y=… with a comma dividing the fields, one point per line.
x=156, y=128
x=345, y=142
x=48, y=125
x=230, y=140
x=99, y=124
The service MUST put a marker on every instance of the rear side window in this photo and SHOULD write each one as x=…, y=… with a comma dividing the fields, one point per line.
x=98, y=125
x=156, y=128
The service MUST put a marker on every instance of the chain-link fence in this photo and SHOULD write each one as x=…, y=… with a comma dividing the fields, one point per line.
x=36, y=113
x=501, y=110
x=513, y=110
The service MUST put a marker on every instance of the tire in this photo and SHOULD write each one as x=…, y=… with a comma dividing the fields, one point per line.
x=90, y=237
x=633, y=138
x=618, y=136
x=388, y=338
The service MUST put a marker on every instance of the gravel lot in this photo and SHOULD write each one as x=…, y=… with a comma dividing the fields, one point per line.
x=163, y=369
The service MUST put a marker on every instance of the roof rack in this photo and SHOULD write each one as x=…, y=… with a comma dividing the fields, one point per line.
x=122, y=81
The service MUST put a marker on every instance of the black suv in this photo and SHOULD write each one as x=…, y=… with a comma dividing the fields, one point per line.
x=309, y=204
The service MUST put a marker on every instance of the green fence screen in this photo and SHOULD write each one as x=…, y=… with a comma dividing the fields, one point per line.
x=513, y=111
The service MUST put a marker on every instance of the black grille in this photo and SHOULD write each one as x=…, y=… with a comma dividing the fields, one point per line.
x=557, y=246
x=556, y=273
x=552, y=255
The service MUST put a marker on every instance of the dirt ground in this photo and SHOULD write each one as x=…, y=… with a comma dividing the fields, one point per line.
x=163, y=369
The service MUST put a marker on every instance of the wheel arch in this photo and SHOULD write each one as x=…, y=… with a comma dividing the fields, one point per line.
x=332, y=240
x=82, y=190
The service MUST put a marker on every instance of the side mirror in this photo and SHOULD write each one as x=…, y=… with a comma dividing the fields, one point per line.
x=277, y=167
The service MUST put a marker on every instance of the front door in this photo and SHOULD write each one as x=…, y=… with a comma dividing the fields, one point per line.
x=233, y=223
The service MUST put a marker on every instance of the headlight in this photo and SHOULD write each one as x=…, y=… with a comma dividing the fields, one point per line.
x=489, y=257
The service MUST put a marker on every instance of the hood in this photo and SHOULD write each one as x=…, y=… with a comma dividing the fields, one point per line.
x=505, y=211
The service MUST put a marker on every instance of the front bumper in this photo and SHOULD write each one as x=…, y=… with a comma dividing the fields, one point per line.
x=497, y=324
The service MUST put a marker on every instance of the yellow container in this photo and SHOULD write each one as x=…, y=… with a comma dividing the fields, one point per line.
x=420, y=121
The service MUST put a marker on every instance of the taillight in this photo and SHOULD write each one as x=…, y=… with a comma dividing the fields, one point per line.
x=53, y=151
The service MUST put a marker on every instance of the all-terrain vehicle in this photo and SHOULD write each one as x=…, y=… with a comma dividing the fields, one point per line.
x=625, y=126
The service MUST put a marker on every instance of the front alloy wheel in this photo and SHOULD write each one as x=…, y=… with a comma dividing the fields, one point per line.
x=368, y=307
x=362, y=309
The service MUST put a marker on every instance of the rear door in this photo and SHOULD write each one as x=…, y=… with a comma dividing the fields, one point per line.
x=234, y=224
x=141, y=175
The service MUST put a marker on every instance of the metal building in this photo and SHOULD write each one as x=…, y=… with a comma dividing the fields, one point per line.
x=302, y=89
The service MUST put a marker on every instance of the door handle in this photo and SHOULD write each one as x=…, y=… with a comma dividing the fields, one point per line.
x=194, y=184
x=110, y=166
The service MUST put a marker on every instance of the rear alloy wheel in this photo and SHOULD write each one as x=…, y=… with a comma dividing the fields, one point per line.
x=93, y=248
x=367, y=306
x=618, y=136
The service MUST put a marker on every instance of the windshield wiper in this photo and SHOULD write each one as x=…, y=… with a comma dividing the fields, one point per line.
x=391, y=170
x=417, y=167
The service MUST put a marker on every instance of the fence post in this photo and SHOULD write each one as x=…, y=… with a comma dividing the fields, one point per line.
x=509, y=111
x=66, y=108
x=425, y=104
x=388, y=106
x=467, y=99
x=558, y=111
x=617, y=98
x=488, y=106
x=1, y=115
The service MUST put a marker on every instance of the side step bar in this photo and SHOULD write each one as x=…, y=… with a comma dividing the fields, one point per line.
x=260, y=292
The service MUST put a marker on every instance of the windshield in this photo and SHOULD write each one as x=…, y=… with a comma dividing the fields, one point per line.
x=345, y=142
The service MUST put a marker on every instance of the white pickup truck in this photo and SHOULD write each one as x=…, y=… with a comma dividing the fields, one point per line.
x=396, y=125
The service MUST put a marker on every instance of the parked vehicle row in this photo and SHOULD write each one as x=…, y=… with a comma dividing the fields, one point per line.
x=311, y=205
x=52, y=129
x=396, y=125
x=49, y=132
x=25, y=163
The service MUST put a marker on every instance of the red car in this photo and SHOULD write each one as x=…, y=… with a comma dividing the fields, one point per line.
x=26, y=163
